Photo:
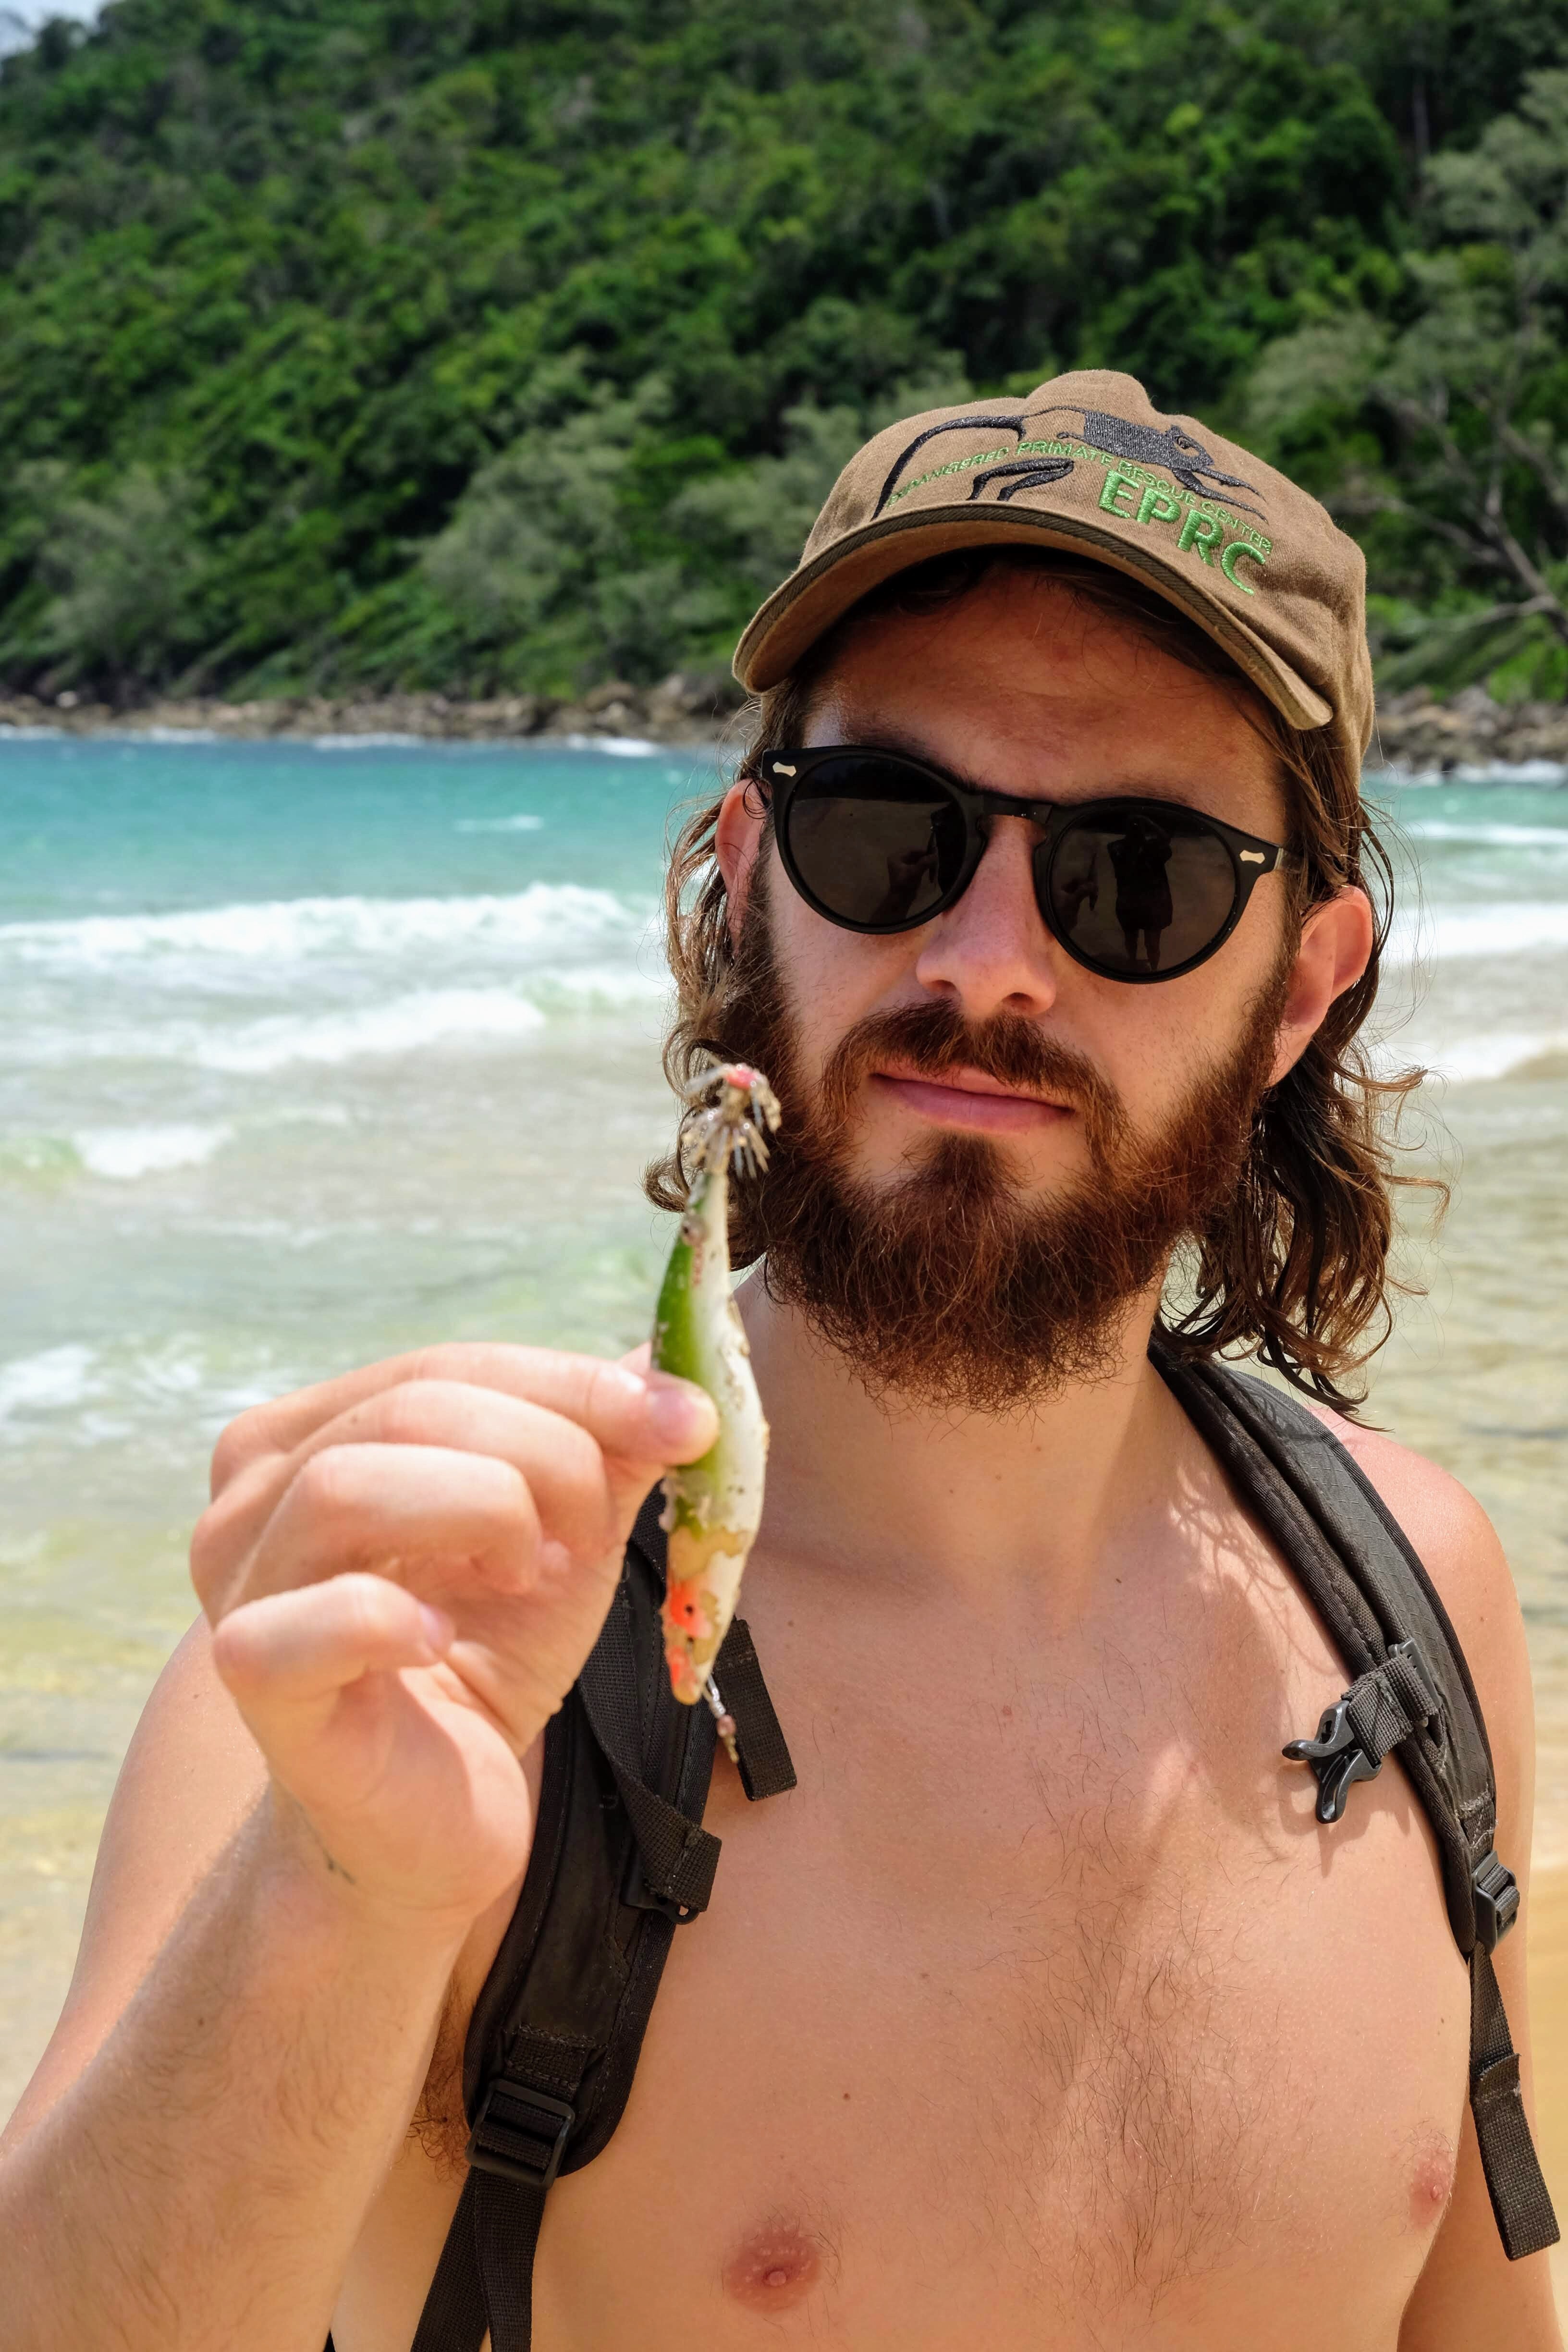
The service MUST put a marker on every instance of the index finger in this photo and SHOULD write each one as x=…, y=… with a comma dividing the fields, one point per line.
x=639, y=1417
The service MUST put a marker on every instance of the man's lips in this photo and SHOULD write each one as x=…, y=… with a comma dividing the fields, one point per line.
x=968, y=1098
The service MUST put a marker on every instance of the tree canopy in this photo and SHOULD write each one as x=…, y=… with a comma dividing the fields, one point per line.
x=512, y=343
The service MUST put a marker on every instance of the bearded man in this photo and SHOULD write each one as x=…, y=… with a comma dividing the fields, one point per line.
x=1050, y=2008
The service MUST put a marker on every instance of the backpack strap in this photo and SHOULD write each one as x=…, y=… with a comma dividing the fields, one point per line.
x=1411, y=1690
x=620, y=1859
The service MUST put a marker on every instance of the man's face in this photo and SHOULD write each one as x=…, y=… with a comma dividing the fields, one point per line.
x=990, y=1152
x=1017, y=690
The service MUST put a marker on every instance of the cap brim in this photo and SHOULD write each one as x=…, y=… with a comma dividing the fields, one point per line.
x=812, y=599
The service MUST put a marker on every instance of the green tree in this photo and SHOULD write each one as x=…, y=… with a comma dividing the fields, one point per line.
x=411, y=297
x=1443, y=432
x=121, y=574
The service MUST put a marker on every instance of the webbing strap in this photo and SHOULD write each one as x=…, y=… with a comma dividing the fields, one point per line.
x=1526, y=2222
x=678, y=1857
x=453, y=2318
x=767, y=1768
x=506, y=2231
x=1390, y=1701
x=485, y=2277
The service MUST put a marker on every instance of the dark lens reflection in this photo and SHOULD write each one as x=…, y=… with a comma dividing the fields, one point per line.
x=875, y=842
x=1135, y=889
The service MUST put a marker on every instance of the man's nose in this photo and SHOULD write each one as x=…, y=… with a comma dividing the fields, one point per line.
x=992, y=953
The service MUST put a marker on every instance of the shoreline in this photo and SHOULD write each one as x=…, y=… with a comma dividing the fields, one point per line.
x=687, y=708
x=1416, y=735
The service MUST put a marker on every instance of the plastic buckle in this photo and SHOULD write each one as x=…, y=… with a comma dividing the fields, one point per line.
x=1337, y=1757
x=638, y=1895
x=520, y=2134
x=1496, y=1891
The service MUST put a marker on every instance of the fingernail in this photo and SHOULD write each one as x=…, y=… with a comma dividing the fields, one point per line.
x=439, y=1630
x=678, y=1412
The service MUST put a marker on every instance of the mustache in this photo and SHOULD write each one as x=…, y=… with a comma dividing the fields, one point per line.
x=935, y=1039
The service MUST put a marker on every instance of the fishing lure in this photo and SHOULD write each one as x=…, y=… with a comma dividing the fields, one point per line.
x=714, y=1507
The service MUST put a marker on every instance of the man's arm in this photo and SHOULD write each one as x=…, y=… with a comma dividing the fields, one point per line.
x=198, y=2151
x=1469, y=2294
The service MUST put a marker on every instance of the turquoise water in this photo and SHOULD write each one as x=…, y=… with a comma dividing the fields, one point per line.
x=314, y=1053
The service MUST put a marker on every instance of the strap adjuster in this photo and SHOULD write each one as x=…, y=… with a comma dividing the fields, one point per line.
x=1380, y=1707
x=520, y=2134
x=1496, y=1891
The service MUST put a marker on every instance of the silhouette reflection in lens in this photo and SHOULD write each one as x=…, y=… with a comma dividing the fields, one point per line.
x=1139, y=853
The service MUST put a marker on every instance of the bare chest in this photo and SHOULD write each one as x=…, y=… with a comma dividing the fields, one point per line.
x=1044, y=2004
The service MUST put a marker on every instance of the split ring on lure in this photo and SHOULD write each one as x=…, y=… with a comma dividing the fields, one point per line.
x=712, y=1508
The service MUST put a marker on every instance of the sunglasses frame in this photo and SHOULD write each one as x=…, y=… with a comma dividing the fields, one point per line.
x=781, y=773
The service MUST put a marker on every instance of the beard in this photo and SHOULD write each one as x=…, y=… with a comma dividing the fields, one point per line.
x=953, y=1285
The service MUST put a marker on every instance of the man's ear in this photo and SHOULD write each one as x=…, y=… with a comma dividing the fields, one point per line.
x=1336, y=945
x=737, y=838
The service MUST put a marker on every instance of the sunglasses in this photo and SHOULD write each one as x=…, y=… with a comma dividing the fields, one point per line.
x=1133, y=890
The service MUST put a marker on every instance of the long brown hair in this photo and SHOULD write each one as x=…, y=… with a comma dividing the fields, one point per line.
x=1295, y=1268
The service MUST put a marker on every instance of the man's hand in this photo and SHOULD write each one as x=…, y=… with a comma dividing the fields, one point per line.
x=405, y=1570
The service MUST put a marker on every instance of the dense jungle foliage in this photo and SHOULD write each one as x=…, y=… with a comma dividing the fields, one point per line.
x=480, y=344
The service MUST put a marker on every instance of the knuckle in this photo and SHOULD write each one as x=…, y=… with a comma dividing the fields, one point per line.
x=249, y=1436
x=238, y=1654
x=211, y=1546
x=409, y=1414
x=515, y=1499
x=368, y=1607
x=326, y=1486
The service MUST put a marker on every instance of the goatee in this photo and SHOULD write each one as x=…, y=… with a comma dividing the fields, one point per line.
x=951, y=1286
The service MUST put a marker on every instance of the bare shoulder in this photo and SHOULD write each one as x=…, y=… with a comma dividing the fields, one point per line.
x=191, y=1776
x=1458, y=1548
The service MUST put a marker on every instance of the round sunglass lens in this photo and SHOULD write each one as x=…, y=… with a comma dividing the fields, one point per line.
x=873, y=843
x=1136, y=892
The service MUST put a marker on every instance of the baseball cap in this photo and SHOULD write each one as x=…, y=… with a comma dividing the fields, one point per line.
x=1087, y=463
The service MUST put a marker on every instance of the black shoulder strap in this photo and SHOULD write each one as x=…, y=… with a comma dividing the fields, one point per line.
x=620, y=1859
x=1411, y=1690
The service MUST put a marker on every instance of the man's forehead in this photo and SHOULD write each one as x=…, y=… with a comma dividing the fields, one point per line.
x=1064, y=745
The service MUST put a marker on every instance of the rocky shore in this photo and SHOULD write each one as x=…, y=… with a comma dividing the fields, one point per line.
x=687, y=708
x=1415, y=733
x=1422, y=737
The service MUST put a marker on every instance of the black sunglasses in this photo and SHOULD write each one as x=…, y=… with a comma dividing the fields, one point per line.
x=1134, y=889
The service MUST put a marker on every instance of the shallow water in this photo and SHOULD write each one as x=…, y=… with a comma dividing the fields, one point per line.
x=300, y=1045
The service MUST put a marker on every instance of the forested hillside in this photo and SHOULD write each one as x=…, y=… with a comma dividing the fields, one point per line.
x=498, y=343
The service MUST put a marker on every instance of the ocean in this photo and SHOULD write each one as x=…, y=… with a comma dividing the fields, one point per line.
x=316, y=1052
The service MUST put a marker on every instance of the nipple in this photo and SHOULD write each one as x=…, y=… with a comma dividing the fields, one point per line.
x=774, y=2268
x=1431, y=2180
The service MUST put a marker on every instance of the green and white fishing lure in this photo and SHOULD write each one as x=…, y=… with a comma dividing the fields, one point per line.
x=712, y=1508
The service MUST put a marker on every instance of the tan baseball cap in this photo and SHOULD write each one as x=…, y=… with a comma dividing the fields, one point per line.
x=1088, y=463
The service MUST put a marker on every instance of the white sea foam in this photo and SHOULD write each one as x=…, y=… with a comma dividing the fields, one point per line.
x=453, y=1016
x=374, y=742
x=619, y=747
x=162, y=735
x=548, y=917
x=1490, y=772
x=1443, y=934
x=47, y=1382
x=524, y=823
x=32, y=734
x=1490, y=836
x=124, y=1153
x=1470, y=1060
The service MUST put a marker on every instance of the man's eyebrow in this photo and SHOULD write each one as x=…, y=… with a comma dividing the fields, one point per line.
x=887, y=735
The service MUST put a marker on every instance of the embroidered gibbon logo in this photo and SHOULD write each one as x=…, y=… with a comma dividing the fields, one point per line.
x=1033, y=462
